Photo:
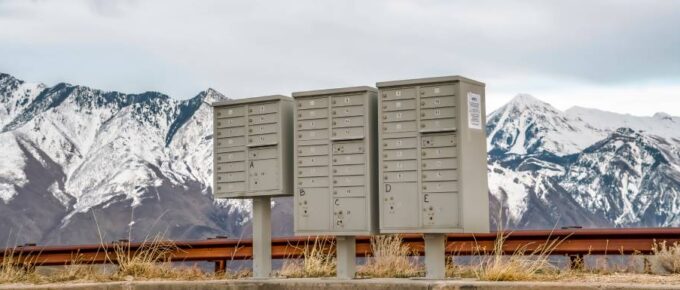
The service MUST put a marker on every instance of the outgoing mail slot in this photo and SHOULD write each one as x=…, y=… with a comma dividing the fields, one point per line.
x=263, y=119
x=439, y=152
x=231, y=156
x=440, y=209
x=312, y=103
x=348, y=100
x=230, y=166
x=398, y=143
x=445, y=163
x=230, y=132
x=230, y=112
x=231, y=177
x=263, y=108
x=397, y=94
x=312, y=124
x=437, y=102
x=437, y=125
x=320, y=134
x=313, y=161
x=356, y=180
x=400, y=165
x=440, y=175
x=348, y=147
x=230, y=142
x=348, y=133
x=263, y=153
x=439, y=140
x=313, y=150
x=262, y=140
x=399, y=154
x=400, y=176
x=398, y=127
x=348, y=111
x=344, y=170
x=312, y=182
x=442, y=186
x=230, y=122
x=399, y=105
x=315, y=171
x=349, y=191
x=231, y=187
x=438, y=90
x=398, y=116
x=349, y=159
x=348, y=122
x=263, y=129
x=312, y=114
x=438, y=113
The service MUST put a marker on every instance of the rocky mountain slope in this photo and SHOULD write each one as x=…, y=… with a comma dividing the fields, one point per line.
x=582, y=167
x=76, y=162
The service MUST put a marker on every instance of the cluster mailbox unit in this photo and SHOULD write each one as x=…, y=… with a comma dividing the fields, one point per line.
x=433, y=170
x=253, y=158
x=335, y=167
x=409, y=157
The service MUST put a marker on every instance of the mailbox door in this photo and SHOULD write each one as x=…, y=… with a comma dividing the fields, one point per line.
x=400, y=205
x=349, y=214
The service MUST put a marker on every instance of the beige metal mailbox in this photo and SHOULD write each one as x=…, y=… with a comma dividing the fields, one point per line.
x=432, y=156
x=252, y=143
x=335, y=162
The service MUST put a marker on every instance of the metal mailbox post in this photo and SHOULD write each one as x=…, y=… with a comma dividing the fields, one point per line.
x=335, y=167
x=252, y=158
x=432, y=160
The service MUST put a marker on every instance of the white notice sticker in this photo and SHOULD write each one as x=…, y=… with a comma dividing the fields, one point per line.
x=474, y=111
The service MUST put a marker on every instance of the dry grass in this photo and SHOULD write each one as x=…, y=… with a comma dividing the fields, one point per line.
x=668, y=256
x=12, y=272
x=152, y=260
x=391, y=259
x=315, y=261
x=522, y=265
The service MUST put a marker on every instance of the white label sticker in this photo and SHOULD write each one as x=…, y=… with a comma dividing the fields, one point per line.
x=474, y=111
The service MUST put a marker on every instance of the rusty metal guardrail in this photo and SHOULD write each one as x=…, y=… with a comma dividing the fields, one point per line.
x=570, y=242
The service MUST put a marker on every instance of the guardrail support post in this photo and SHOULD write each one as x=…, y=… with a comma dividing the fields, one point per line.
x=220, y=267
x=345, y=249
x=262, y=237
x=435, y=256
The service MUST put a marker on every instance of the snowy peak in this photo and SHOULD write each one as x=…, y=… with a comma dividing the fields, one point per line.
x=527, y=125
x=661, y=124
x=211, y=95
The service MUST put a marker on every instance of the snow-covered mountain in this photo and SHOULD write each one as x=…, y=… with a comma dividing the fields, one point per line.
x=582, y=167
x=76, y=161
x=75, y=158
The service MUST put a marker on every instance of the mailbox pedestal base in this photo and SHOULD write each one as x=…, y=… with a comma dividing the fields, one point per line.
x=345, y=249
x=262, y=237
x=435, y=256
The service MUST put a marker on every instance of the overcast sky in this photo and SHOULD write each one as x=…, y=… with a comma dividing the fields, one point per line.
x=621, y=56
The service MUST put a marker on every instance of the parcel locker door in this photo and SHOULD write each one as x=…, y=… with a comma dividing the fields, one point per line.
x=349, y=213
x=313, y=209
x=263, y=175
x=400, y=205
x=441, y=210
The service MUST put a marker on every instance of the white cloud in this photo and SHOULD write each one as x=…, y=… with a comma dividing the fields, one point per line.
x=563, y=51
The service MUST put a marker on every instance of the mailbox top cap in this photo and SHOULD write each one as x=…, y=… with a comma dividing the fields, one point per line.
x=334, y=91
x=428, y=81
x=252, y=100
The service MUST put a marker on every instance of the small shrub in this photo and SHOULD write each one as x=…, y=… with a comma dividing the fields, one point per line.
x=317, y=260
x=668, y=256
x=391, y=259
x=522, y=265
